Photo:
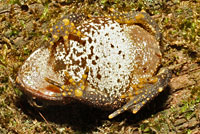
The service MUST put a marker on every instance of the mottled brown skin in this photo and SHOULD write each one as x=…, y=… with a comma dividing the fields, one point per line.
x=109, y=62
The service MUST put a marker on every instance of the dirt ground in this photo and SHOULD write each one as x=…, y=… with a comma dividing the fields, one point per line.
x=176, y=110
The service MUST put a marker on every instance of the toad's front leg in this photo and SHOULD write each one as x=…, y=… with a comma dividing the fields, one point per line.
x=151, y=88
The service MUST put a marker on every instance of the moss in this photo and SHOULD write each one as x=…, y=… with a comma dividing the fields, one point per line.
x=22, y=31
x=45, y=11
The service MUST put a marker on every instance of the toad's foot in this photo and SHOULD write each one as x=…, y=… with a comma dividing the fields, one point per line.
x=145, y=94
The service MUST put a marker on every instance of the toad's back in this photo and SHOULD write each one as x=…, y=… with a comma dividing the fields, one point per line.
x=117, y=55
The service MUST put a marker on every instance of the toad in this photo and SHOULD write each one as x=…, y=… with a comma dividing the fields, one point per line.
x=110, y=62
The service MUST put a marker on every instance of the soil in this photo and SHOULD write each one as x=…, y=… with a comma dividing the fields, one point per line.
x=175, y=110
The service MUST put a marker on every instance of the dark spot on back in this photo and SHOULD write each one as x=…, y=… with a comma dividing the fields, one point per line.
x=77, y=70
x=83, y=62
x=106, y=34
x=90, y=55
x=76, y=38
x=95, y=40
x=59, y=65
x=90, y=40
x=94, y=62
x=118, y=80
x=79, y=54
x=76, y=62
x=92, y=32
x=98, y=76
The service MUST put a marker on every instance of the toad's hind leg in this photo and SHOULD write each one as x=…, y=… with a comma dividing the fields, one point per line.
x=145, y=94
x=142, y=18
x=73, y=89
x=79, y=91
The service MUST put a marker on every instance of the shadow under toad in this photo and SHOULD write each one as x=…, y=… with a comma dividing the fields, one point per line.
x=84, y=118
